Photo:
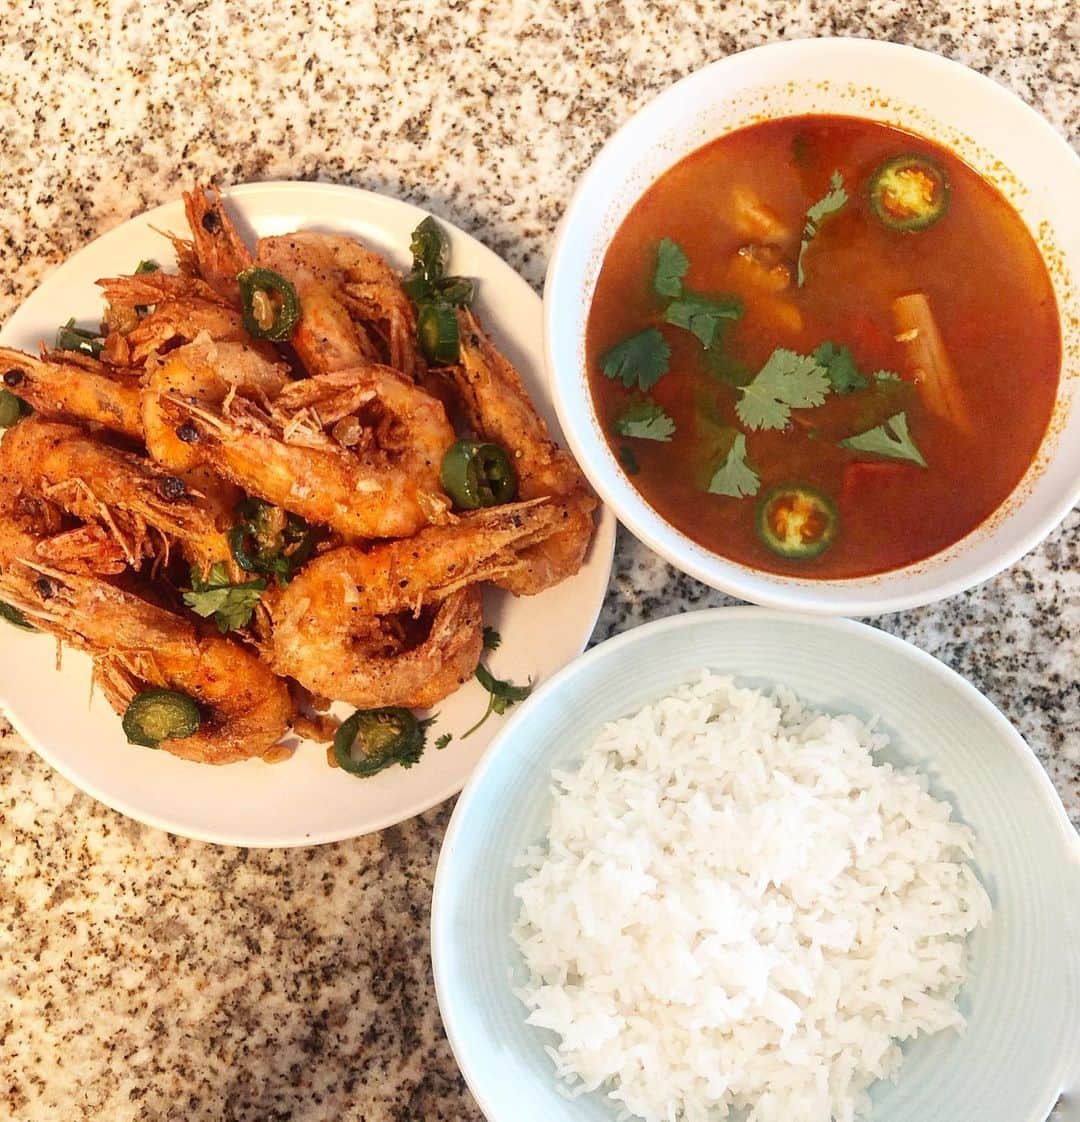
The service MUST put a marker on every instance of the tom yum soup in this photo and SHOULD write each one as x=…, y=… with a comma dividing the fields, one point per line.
x=823, y=347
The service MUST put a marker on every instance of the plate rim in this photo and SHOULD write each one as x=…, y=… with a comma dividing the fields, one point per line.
x=603, y=539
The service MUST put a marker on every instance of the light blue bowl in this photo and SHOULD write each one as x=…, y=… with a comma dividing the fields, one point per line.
x=1022, y=1046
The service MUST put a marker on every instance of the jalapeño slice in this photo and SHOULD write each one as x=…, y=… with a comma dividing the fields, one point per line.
x=909, y=193
x=797, y=522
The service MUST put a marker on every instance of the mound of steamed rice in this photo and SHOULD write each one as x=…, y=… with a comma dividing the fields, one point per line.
x=736, y=907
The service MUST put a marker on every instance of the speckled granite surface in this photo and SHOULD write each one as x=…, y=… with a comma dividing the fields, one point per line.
x=145, y=977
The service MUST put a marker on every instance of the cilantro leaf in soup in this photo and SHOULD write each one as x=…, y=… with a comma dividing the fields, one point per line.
x=628, y=460
x=640, y=361
x=832, y=201
x=231, y=605
x=704, y=316
x=672, y=265
x=840, y=367
x=645, y=420
x=787, y=381
x=735, y=477
x=892, y=439
x=724, y=367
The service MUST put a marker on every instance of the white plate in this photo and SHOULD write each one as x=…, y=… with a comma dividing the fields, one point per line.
x=301, y=801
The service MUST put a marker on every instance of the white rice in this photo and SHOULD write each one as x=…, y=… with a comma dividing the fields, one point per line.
x=736, y=909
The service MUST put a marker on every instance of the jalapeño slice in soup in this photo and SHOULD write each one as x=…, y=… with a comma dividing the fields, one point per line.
x=827, y=347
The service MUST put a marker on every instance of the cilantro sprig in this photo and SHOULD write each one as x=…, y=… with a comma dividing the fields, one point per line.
x=891, y=439
x=672, y=265
x=501, y=695
x=840, y=367
x=640, y=361
x=832, y=201
x=707, y=317
x=645, y=420
x=735, y=477
x=231, y=605
x=787, y=381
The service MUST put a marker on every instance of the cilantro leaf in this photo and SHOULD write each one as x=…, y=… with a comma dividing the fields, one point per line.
x=231, y=605
x=704, y=316
x=646, y=420
x=735, y=477
x=828, y=204
x=891, y=439
x=886, y=376
x=639, y=361
x=501, y=695
x=787, y=381
x=443, y=740
x=628, y=460
x=672, y=265
x=722, y=366
x=492, y=639
x=840, y=367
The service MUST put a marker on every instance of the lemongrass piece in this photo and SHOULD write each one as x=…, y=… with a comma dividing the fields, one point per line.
x=928, y=359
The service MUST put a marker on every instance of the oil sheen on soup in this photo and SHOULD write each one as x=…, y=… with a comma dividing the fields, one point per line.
x=821, y=346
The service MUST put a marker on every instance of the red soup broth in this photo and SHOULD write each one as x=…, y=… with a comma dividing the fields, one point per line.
x=976, y=268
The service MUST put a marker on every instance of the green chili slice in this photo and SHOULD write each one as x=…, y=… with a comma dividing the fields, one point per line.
x=72, y=338
x=909, y=193
x=796, y=521
x=271, y=306
x=430, y=249
x=438, y=334
x=12, y=409
x=373, y=739
x=157, y=715
x=417, y=287
x=458, y=291
x=270, y=540
x=476, y=475
x=15, y=617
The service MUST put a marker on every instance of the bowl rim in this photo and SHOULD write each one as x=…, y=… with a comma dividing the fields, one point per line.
x=849, y=596
x=440, y=933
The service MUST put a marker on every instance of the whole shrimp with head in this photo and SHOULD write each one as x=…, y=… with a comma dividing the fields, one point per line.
x=499, y=410
x=399, y=623
x=244, y=708
x=356, y=450
x=353, y=310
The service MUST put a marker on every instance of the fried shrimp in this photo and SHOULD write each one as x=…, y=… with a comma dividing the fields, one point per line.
x=218, y=250
x=329, y=623
x=141, y=507
x=326, y=338
x=176, y=322
x=33, y=528
x=268, y=416
x=203, y=374
x=498, y=409
x=86, y=390
x=244, y=707
x=357, y=450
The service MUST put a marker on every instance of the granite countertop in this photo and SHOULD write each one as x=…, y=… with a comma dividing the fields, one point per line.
x=147, y=977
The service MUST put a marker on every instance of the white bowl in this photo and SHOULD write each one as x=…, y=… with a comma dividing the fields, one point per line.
x=991, y=129
x=1022, y=999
